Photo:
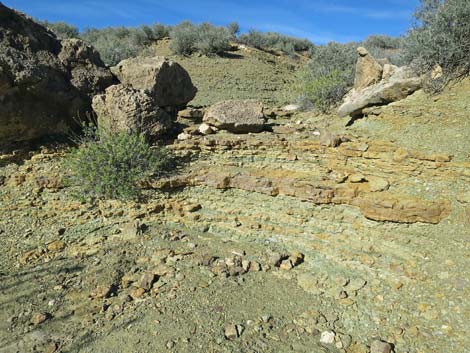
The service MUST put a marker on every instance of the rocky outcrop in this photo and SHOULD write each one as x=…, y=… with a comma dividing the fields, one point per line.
x=125, y=109
x=384, y=207
x=369, y=195
x=388, y=71
x=237, y=116
x=43, y=88
x=401, y=84
x=89, y=75
x=376, y=84
x=368, y=70
x=167, y=82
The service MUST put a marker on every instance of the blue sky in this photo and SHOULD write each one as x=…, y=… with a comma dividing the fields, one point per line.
x=318, y=20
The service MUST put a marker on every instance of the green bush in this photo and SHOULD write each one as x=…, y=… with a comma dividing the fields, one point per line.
x=111, y=166
x=233, y=29
x=383, y=42
x=328, y=76
x=62, y=30
x=324, y=91
x=386, y=47
x=183, y=38
x=441, y=36
x=212, y=40
x=118, y=43
x=205, y=38
x=275, y=41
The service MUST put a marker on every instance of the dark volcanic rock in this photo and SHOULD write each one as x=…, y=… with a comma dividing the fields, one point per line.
x=44, y=84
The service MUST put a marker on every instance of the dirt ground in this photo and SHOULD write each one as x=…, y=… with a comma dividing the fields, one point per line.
x=270, y=242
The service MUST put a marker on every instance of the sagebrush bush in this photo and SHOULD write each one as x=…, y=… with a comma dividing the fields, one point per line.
x=205, y=38
x=110, y=166
x=62, y=30
x=233, y=29
x=329, y=75
x=183, y=38
x=383, y=42
x=386, y=47
x=441, y=36
x=118, y=43
x=324, y=91
x=276, y=41
x=212, y=40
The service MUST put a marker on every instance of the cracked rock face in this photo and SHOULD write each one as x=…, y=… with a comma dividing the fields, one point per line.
x=167, y=82
x=377, y=85
x=238, y=116
x=400, y=85
x=43, y=89
x=123, y=108
x=368, y=70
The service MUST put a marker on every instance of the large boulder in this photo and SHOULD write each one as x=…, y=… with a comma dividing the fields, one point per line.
x=38, y=93
x=124, y=109
x=238, y=116
x=368, y=70
x=88, y=72
x=166, y=81
x=401, y=84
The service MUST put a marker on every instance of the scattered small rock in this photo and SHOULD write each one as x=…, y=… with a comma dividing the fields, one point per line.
x=137, y=293
x=184, y=136
x=356, y=284
x=291, y=108
x=379, y=346
x=207, y=260
x=102, y=291
x=296, y=258
x=206, y=129
x=231, y=332
x=191, y=113
x=357, y=178
x=327, y=139
x=275, y=259
x=246, y=265
x=254, y=266
x=39, y=318
x=56, y=246
x=286, y=265
x=377, y=184
x=147, y=280
x=327, y=337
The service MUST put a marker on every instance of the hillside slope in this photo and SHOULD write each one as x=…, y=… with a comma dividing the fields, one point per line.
x=242, y=74
x=382, y=221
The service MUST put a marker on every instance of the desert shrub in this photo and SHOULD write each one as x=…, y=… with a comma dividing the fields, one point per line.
x=115, y=43
x=212, y=40
x=205, y=38
x=386, y=47
x=110, y=166
x=156, y=31
x=328, y=76
x=118, y=43
x=325, y=90
x=62, y=30
x=441, y=36
x=183, y=38
x=383, y=42
x=276, y=41
x=233, y=29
